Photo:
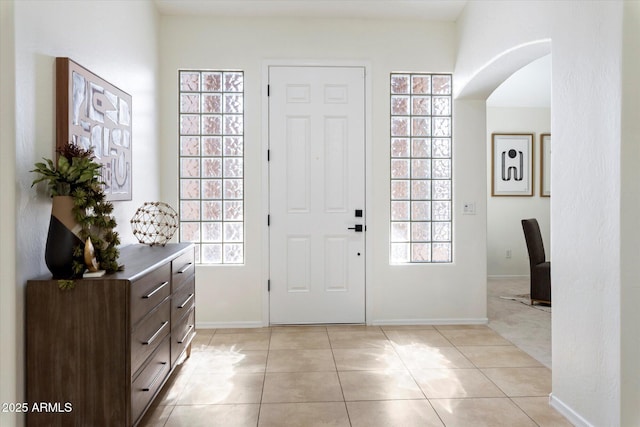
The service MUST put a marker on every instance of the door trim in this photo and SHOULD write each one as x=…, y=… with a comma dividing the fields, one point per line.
x=266, y=64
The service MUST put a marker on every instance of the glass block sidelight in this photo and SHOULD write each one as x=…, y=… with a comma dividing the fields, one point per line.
x=189, y=124
x=400, y=189
x=400, y=147
x=233, y=146
x=189, y=81
x=211, y=103
x=421, y=131
x=211, y=254
x=190, y=103
x=189, y=189
x=189, y=146
x=212, y=232
x=212, y=210
x=212, y=146
x=212, y=167
x=211, y=125
x=212, y=81
x=211, y=163
x=399, y=105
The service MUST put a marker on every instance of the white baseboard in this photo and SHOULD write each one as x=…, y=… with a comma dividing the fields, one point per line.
x=508, y=276
x=401, y=322
x=573, y=417
x=394, y=322
x=225, y=325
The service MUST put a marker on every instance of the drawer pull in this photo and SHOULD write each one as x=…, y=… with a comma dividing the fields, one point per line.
x=184, y=338
x=185, y=268
x=184, y=304
x=154, y=336
x=153, y=292
x=155, y=379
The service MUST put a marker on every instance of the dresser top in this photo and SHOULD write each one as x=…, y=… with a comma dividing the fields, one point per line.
x=139, y=260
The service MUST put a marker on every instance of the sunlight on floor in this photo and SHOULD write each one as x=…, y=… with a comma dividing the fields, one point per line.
x=356, y=376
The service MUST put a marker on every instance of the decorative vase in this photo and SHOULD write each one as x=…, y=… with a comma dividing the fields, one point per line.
x=62, y=238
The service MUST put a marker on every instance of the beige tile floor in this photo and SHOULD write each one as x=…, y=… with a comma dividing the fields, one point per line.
x=367, y=376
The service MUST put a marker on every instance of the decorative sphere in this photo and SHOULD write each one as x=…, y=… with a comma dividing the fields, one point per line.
x=154, y=223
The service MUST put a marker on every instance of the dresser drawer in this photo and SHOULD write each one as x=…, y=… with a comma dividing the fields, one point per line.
x=182, y=268
x=183, y=300
x=182, y=335
x=151, y=377
x=149, y=334
x=149, y=291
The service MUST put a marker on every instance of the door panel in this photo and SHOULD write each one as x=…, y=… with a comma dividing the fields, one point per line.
x=298, y=263
x=297, y=169
x=317, y=181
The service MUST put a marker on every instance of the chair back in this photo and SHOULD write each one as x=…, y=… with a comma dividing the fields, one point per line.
x=533, y=238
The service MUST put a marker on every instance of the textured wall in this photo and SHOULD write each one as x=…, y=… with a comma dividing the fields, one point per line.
x=114, y=39
x=585, y=208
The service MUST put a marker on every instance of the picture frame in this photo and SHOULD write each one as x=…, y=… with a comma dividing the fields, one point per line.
x=512, y=164
x=545, y=165
x=94, y=114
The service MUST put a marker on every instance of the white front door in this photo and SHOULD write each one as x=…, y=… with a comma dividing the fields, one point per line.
x=317, y=194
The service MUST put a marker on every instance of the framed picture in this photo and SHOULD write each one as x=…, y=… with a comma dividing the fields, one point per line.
x=92, y=113
x=545, y=165
x=512, y=164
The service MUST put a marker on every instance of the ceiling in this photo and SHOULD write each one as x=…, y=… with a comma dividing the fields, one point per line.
x=432, y=10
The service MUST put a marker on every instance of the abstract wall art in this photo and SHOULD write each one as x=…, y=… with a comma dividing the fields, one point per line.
x=92, y=113
x=512, y=164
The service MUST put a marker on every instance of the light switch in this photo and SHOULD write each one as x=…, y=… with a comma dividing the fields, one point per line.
x=469, y=208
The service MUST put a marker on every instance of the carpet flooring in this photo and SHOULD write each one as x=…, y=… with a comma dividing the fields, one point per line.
x=528, y=327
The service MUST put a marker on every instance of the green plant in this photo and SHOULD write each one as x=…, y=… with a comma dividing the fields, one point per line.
x=66, y=284
x=77, y=174
x=74, y=171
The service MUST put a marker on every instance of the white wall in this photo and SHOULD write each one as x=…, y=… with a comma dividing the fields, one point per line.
x=117, y=40
x=585, y=209
x=504, y=230
x=630, y=205
x=9, y=366
x=237, y=295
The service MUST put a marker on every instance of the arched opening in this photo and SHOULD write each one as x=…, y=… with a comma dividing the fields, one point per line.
x=507, y=259
x=521, y=104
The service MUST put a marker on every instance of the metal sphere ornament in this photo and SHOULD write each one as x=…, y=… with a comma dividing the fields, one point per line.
x=154, y=223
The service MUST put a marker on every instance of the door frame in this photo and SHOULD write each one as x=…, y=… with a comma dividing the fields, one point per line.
x=265, y=190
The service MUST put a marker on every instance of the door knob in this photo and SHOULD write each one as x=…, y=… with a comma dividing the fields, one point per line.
x=357, y=228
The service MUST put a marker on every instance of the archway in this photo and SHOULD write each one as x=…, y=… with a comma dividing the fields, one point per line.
x=488, y=77
x=479, y=88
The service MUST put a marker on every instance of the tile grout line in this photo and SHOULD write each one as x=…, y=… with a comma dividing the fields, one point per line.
x=413, y=378
x=264, y=377
x=493, y=382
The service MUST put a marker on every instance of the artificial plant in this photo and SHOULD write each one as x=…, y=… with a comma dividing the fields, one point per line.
x=77, y=174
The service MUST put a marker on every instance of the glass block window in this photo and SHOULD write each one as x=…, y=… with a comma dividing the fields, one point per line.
x=421, y=186
x=211, y=164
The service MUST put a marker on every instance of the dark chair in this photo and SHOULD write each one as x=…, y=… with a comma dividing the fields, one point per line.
x=540, y=268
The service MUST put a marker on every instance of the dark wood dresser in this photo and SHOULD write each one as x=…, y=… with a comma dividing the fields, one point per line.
x=98, y=354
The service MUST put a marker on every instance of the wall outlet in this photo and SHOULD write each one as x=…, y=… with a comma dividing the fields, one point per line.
x=508, y=255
